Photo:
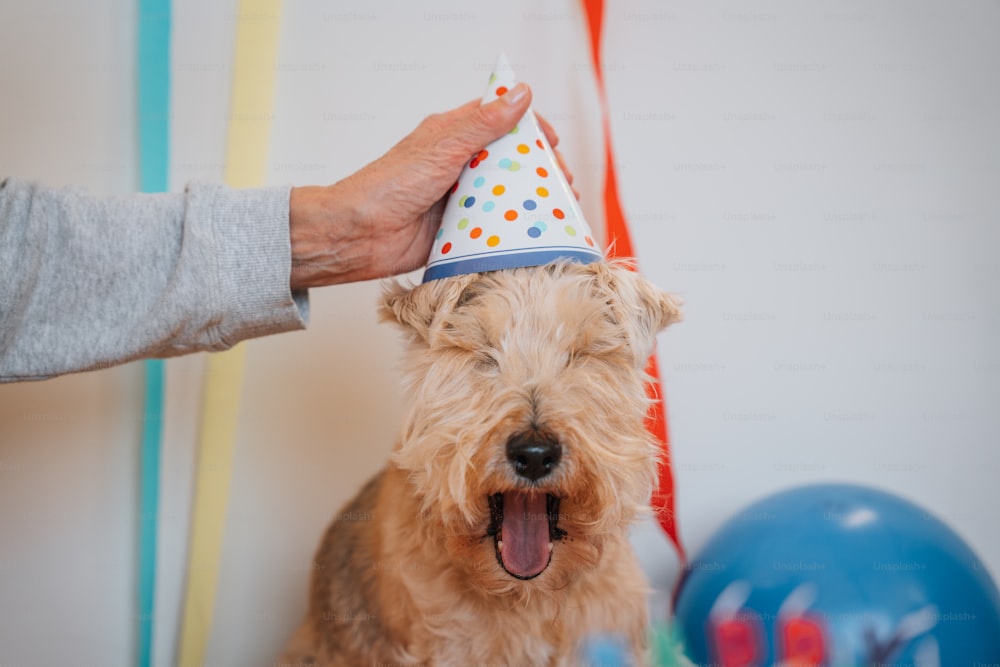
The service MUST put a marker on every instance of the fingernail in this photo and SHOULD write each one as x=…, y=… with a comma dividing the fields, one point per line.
x=515, y=94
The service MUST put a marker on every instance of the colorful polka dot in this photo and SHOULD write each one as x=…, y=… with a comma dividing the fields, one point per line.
x=515, y=130
x=480, y=157
x=492, y=195
x=440, y=233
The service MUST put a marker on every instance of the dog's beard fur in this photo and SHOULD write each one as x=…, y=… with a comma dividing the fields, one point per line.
x=556, y=352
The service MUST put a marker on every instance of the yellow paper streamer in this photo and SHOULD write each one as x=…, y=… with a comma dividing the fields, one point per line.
x=246, y=166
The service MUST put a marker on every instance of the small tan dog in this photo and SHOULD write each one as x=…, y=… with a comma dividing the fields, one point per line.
x=498, y=533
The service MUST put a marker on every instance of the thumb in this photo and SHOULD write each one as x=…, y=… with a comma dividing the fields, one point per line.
x=488, y=122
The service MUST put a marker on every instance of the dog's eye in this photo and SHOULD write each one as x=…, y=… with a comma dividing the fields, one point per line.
x=486, y=362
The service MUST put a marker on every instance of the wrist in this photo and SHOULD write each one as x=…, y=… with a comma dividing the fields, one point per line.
x=328, y=241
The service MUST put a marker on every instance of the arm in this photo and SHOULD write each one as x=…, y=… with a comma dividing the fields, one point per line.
x=381, y=220
x=89, y=282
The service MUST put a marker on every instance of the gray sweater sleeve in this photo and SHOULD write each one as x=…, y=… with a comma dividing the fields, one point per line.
x=88, y=282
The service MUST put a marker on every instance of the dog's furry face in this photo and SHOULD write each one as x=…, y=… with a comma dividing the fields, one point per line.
x=524, y=436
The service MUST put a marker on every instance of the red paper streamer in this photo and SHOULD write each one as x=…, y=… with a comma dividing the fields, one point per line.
x=620, y=246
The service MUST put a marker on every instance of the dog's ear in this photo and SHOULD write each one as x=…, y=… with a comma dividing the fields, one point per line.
x=417, y=308
x=641, y=308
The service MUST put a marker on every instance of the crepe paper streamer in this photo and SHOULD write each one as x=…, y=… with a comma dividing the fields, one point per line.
x=246, y=165
x=154, y=94
x=152, y=438
x=153, y=41
x=217, y=439
x=620, y=245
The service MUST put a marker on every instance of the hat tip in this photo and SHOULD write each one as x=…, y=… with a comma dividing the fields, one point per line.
x=501, y=79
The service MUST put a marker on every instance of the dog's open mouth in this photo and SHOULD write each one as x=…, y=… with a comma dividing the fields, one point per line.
x=524, y=525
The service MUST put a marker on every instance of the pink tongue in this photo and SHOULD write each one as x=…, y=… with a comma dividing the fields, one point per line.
x=525, y=533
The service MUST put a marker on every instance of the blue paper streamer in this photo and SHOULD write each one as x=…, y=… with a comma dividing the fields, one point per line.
x=152, y=432
x=154, y=94
x=154, y=162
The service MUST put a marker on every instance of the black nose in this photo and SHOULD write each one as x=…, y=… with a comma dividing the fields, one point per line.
x=533, y=454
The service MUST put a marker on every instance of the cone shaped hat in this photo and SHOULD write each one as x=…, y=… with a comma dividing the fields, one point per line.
x=512, y=205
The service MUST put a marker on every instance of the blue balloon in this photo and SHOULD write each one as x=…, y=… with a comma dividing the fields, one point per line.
x=833, y=575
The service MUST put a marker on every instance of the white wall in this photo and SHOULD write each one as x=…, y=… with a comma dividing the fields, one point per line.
x=817, y=180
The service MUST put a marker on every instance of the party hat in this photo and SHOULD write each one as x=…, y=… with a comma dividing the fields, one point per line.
x=512, y=205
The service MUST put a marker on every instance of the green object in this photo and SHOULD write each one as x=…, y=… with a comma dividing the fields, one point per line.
x=667, y=648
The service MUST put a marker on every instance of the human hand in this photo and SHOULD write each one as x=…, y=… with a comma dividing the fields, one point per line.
x=381, y=220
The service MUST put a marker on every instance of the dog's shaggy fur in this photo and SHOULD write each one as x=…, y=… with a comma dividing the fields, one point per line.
x=497, y=534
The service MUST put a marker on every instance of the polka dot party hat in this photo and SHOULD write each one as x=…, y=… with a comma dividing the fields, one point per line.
x=512, y=205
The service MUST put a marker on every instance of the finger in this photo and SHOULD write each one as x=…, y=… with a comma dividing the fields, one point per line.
x=488, y=122
x=562, y=166
x=550, y=132
x=462, y=110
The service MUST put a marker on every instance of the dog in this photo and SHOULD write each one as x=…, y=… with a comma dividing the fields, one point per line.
x=498, y=532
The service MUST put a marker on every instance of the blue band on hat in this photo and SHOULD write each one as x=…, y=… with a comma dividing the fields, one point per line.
x=507, y=260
